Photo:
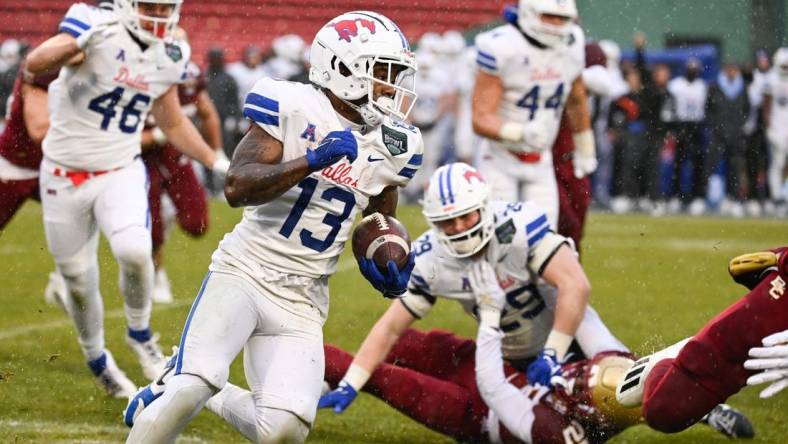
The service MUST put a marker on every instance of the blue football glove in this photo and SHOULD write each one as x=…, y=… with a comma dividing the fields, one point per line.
x=510, y=15
x=544, y=368
x=336, y=145
x=339, y=399
x=394, y=282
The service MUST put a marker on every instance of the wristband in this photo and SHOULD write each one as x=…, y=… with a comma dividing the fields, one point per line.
x=584, y=143
x=559, y=342
x=356, y=376
x=511, y=132
x=158, y=136
x=489, y=317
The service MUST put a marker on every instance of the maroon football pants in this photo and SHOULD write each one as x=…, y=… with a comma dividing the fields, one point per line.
x=709, y=368
x=171, y=172
x=13, y=194
x=430, y=377
x=574, y=195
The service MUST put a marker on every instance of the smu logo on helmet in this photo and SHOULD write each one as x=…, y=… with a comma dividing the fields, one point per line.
x=349, y=28
x=470, y=174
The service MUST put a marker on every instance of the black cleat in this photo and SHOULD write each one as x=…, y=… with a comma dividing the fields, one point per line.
x=730, y=422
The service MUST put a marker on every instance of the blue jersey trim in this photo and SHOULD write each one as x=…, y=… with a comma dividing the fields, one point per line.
x=70, y=31
x=262, y=101
x=261, y=117
x=407, y=172
x=82, y=25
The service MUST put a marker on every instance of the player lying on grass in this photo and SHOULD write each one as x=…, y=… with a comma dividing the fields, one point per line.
x=539, y=320
x=430, y=377
x=680, y=384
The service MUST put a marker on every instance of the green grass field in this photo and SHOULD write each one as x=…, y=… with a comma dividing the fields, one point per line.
x=654, y=281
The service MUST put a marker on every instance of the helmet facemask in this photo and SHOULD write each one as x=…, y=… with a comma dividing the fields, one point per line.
x=396, y=75
x=149, y=28
x=350, y=50
x=470, y=241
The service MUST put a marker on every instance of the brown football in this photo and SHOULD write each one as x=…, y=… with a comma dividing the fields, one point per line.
x=382, y=238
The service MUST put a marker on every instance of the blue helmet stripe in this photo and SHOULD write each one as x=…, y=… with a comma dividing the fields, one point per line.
x=448, y=184
x=440, y=187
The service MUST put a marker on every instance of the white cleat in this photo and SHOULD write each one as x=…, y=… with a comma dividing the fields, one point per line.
x=162, y=294
x=110, y=377
x=149, y=355
x=55, y=292
x=629, y=392
x=621, y=205
x=697, y=207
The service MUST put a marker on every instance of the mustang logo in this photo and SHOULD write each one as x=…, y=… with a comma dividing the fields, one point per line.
x=472, y=174
x=348, y=29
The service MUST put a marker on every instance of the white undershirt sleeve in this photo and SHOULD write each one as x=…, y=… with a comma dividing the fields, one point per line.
x=509, y=404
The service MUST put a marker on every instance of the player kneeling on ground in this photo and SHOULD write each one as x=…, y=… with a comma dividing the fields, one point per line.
x=680, y=384
x=315, y=156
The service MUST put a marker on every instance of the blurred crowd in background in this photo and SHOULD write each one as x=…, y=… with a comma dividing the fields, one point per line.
x=674, y=134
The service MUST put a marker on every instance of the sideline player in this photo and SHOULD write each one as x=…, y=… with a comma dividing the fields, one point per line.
x=540, y=320
x=171, y=172
x=115, y=67
x=528, y=74
x=677, y=386
x=775, y=114
x=315, y=156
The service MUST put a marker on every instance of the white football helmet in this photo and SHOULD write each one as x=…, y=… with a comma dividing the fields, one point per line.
x=457, y=189
x=343, y=57
x=290, y=47
x=780, y=62
x=529, y=19
x=162, y=28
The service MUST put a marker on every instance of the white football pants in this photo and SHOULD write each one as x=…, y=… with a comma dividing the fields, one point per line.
x=283, y=361
x=513, y=180
x=117, y=204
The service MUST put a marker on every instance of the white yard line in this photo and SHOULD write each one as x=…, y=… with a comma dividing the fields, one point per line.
x=78, y=430
x=15, y=332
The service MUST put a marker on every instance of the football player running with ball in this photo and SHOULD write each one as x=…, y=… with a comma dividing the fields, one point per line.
x=529, y=71
x=115, y=66
x=315, y=156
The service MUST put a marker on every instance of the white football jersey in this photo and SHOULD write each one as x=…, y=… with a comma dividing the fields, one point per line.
x=520, y=249
x=777, y=87
x=689, y=98
x=536, y=80
x=97, y=108
x=303, y=231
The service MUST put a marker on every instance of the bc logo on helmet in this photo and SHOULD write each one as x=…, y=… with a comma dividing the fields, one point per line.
x=349, y=28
